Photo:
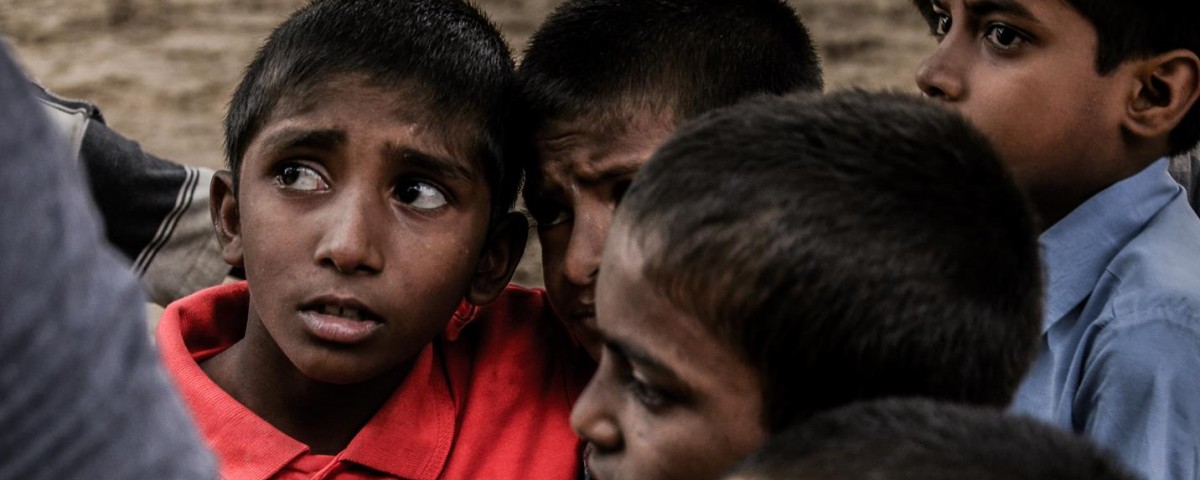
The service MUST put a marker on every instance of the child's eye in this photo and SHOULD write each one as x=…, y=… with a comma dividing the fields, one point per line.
x=298, y=177
x=1003, y=37
x=420, y=195
x=548, y=214
x=648, y=396
x=941, y=24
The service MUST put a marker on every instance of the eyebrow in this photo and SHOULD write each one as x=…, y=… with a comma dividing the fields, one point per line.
x=643, y=359
x=981, y=8
x=413, y=158
x=290, y=138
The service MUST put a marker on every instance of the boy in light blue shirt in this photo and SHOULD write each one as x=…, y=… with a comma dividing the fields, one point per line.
x=1085, y=99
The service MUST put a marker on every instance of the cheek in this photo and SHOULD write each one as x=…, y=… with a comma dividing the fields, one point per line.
x=554, y=243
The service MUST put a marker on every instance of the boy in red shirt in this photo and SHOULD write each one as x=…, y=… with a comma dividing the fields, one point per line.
x=366, y=200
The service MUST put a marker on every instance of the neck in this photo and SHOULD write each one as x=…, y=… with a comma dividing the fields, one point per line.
x=1054, y=201
x=324, y=416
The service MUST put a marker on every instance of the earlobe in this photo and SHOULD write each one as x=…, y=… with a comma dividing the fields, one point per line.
x=500, y=258
x=1167, y=87
x=226, y=217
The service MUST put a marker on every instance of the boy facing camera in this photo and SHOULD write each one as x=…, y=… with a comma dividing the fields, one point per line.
x=924, y=440
x=1085, y=99
x=369, y=206
x=781, y=258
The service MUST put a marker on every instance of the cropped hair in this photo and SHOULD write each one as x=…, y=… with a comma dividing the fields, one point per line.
x=445, y=51
x=1137, y=29
x=923, y=440
x=602, y=58
x=849, y=247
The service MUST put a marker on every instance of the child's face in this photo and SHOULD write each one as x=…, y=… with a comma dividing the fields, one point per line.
x=359, y=226
x=585, y=169
x=1024, y=71
x=669, y=400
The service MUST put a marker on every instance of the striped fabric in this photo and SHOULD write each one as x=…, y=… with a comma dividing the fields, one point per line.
x=155, y=211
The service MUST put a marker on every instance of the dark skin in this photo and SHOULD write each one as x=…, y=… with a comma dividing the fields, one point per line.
x=586, y=165
x=361, y=226
x=1024, y=71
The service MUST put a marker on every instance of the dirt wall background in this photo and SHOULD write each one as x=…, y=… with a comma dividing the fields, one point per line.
x=162, y=70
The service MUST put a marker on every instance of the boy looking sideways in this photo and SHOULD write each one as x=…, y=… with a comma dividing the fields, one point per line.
x=1084, y=99
x=604, y=83
x=784, y=257
x=922, y=440
x=366, y=200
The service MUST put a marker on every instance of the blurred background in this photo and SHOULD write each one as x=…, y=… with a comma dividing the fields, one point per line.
x=162, y=70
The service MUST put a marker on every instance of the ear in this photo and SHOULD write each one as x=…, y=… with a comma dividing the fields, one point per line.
x=500, y=258
x=1166, y=86
x=226, y=218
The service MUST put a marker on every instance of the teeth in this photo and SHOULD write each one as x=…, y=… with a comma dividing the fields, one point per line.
x=343, y=312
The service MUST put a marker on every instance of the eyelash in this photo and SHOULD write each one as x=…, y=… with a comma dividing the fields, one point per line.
x=403, y=185
x=941, y=23
x=1018, y=38
x=293, y=168
x=548, y=213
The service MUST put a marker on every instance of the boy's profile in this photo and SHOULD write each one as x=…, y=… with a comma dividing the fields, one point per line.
x=366, y=199
x=781, y=258
x=1085, y=99
x=924, y=440
x=605, y=82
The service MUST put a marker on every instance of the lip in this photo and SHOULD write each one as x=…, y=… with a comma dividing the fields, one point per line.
x=585, y=314
x=337, y=329
x=591, y=467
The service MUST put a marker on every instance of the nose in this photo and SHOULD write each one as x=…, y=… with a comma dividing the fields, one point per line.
x=349, y=242
x=938, y=75
x=582, y=260
x=592, y=419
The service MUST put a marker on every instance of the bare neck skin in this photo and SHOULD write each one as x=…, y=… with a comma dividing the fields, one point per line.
x=324, y=416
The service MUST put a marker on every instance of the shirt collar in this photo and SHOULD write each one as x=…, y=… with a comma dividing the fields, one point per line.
x=409, y=437
x=1077, y=249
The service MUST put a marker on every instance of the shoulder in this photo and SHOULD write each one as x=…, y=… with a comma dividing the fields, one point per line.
x=517, y=308
x=1155, y=278
x=1149, y=343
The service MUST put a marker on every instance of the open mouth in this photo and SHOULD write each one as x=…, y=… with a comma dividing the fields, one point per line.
x=340, y=321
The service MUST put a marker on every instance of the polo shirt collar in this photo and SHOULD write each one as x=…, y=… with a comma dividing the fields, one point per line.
x=409, y=437
x=1077, y=249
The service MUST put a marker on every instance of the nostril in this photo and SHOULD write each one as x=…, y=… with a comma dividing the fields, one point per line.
x=934, y=93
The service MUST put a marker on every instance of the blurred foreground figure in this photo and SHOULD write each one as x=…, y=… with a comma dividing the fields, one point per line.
x=81, y=392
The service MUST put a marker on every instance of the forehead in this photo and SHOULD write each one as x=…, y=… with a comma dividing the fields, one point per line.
x=1050, y=11
x=633, y=312
x=350, y=103
x=590, y=148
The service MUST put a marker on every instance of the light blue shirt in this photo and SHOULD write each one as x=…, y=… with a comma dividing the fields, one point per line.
x=1119, y=359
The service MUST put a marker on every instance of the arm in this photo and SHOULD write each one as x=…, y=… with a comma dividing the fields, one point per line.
x=1140, y=392
x=155, y=211
x=83, y=393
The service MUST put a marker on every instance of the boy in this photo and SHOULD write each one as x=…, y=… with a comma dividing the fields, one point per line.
x=605, y=82
x=365, y=201
x=1084, y=99
x=778, y=259
x=923, y=440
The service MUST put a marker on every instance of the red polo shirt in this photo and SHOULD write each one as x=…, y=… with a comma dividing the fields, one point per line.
x=491, y=400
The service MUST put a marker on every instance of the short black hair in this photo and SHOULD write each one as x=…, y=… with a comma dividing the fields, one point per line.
x=447, y=48
x=851, y=246
x=1134, y=29
x=683, y=57
x=923, y=440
